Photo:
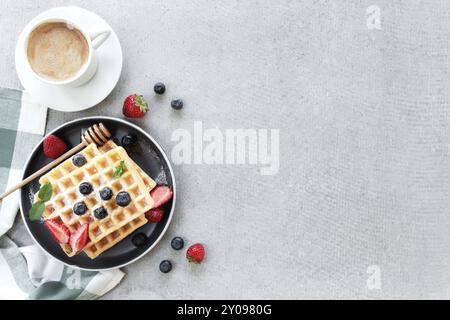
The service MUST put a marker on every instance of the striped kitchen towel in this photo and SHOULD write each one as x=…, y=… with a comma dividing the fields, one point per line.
x=28, y=272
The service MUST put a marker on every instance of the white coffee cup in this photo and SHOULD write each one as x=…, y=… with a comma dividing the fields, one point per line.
x=94, y=36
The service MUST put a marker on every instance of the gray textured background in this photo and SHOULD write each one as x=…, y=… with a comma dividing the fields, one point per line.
x=364, y=145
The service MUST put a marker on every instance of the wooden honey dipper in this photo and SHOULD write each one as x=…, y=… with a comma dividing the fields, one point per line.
x=96, y=133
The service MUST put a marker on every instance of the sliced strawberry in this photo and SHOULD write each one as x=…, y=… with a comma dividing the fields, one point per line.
x=160, y=195
x=79, y=238
x=155, y=215
x=58, y=231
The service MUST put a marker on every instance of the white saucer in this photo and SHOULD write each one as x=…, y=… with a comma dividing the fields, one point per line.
x=87, y=95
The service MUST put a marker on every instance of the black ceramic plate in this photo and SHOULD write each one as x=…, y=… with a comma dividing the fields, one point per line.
x=148, y=155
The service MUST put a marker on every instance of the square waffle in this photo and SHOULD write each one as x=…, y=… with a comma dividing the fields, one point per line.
x=93, y=249
x=98, y=171
x=149, y=182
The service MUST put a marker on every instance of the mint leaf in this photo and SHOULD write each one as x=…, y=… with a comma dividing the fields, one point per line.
x=45, y=193
x=36, y=211
x=120, y=169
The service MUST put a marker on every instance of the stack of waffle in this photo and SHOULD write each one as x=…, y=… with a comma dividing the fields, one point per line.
x=98, y=171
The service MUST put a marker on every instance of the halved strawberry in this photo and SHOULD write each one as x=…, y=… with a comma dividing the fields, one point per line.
x=155, y=215
x=79, y=238
x=58, y=231
x=160, y=195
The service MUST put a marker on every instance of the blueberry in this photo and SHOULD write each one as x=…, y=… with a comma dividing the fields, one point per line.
x=106, y=193
x=129, y=140
x=165, y=266
x=177, y=243
x=85, y=188
x=139, y=239
x=79, y=208
x=79, y=160
x=100, y=213
x=177, y=104
x=123, y=198
x=159, y=88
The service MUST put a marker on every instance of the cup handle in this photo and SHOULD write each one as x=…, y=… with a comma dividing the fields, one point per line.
x=98, y=35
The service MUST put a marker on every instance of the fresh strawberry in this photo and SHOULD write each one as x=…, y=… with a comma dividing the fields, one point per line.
x=195, y=253
x=160, y=195
x=58, y=231
x=134, y=106
x=79, y=238
x=155, y=215
x=54, y=146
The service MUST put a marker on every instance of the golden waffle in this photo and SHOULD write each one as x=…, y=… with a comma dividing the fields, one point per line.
x=98, y=171
x=61, y=171
x=149, y=182
x=93, y=249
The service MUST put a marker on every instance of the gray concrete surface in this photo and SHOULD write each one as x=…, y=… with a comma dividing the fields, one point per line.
x=364, y=119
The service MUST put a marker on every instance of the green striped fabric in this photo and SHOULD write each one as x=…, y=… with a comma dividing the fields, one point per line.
x=28, y=272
